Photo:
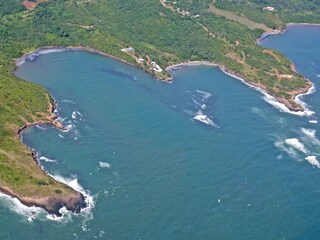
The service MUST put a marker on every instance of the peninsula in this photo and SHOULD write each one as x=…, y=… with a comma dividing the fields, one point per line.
x=151, y=34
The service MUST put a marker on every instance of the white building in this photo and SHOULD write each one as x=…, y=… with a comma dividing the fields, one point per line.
x=270, y=9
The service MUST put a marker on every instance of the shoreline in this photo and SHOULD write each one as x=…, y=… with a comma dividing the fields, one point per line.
x=296, y=97
x=50, y=49
x=284, y=104
x=280, y=103
x=52, y=204
x=282, y=31
x=265, y=35
x=51, y=120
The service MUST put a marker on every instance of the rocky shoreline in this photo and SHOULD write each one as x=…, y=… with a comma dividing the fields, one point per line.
x=294, y=95
x=298, y=108
x=52, y=204
x=76, y=201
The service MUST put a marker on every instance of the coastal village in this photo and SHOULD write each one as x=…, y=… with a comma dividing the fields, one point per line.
x=154, y=68
x=143, y=61
x=182, y=12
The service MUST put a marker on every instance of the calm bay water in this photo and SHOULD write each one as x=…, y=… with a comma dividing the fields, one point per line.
x=157, y=173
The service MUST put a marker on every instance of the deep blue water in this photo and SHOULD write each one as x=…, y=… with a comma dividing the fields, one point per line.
x=171, y=176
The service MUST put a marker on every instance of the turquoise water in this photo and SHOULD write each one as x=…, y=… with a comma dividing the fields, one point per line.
x=155, y=172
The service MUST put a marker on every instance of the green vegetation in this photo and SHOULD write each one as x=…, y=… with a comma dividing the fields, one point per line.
x=284, y=11
x=7, y=7
x=166, y=33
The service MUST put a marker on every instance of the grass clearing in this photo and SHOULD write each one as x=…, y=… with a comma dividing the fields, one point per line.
x=234, y=17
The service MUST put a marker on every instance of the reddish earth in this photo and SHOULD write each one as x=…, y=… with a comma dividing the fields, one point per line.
x=30, y=5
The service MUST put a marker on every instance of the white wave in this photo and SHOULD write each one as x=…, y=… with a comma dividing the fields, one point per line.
x=309, y=132
x=79, y=113
x=298, y=99
x=74, y=184
x=274, y=102
x=203, y=106
x=74, y=115
x=318, y=75
x=101, y=234
x=60, y=135
x=41, y=128
x=313, y=161
x=313, y=121
x=203, y=118
x=311, y=135
x=68, y=101
x=59, y=119
x=33, y=55
x=196, y=102
x=68, y=128
x=66, y=216
x=45, y=159
x=29, y=213
x=283, y=108
x=294, y=142
x=50, y=50
x=204, y=94
x=104, y=165
x=291, y=152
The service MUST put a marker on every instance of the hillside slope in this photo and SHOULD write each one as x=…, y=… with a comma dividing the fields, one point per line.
x=156, y=31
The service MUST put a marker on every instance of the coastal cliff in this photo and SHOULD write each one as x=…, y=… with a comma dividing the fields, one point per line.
x=73, y=202
x=156, y=35
x=20, y=175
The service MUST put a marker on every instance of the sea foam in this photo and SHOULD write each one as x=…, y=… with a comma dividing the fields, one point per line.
x=68, y=101
x=204, y=118
x=29, y=213
x=74, y=115
x=313, y=161
x=274, y=102
x=32, y=56
x=289, y=150
x=104, y=165
x=74, y=184
x=41, y=128
x=309, y=132
x=294, y=142
x=45, y=159
x=310, y=135
x=32, y=213
x=313, y=121
x=204, y=94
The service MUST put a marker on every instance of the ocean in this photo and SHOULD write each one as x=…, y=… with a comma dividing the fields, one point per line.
x=205, y=157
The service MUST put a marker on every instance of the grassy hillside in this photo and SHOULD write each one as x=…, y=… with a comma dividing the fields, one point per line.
x=284, y=11
x=163, y=32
